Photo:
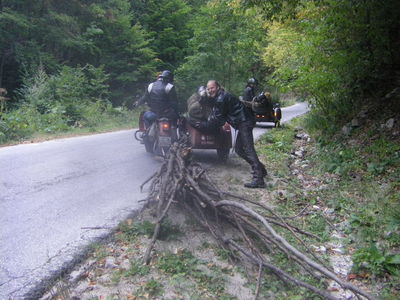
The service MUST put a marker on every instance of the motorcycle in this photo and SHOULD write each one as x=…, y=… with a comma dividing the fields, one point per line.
x=274, y=115
x=264, y=110
x=159, y=137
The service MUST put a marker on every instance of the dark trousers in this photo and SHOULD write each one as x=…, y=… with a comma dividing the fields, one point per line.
x=245, y=148
x=149, y=117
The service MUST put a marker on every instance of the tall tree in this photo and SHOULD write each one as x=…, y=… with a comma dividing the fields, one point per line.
x=337, y=52
x=167, y=23
x=54, y=33
x=225, y=46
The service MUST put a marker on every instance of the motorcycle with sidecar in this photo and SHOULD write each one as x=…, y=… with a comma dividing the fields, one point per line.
x=264, y=110
x=159, y=137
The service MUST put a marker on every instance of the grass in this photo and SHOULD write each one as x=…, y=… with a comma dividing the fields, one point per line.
x=106, y=123
x=129, y=231
x=362, y=190
x=366, y=195
x=183, y=265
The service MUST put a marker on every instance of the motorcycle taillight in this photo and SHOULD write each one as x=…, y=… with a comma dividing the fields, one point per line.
x=164, y=126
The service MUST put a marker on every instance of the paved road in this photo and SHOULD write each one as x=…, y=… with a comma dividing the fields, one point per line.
x=288, y=113
x=51, y=192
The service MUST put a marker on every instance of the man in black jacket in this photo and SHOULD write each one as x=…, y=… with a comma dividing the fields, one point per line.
x=250, y=91
x=161, y=97
x=228, y=108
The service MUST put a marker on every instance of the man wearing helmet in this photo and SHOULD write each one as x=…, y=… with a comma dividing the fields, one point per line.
x=227, y=108
x=250, y=91
x=161, y=97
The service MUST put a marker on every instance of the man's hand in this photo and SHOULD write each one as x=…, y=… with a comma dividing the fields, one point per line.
x=196, y=124
x=136, y=104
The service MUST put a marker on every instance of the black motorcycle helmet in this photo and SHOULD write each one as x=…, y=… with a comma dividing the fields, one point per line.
x=252, y=81
x=167, y=76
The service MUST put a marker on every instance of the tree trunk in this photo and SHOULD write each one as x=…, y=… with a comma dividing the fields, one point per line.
x=3, y=60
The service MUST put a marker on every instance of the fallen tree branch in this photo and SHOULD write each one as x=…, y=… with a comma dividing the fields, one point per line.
x=188, y=184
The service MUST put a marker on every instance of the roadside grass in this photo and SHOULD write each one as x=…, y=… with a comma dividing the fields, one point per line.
x=275, y=147
x=129, y=231
x=111, y=120
x=365, y=198
x=189, y=276
x=360, y=185
x=367, y=192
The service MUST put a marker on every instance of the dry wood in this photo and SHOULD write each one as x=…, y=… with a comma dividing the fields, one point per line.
x=251, y=232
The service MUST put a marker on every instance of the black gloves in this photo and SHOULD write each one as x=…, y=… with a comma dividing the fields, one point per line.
x=197, y=124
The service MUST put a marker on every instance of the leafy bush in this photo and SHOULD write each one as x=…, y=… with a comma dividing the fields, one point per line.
x=19, y=123
x=373, y=260
x=74, y=97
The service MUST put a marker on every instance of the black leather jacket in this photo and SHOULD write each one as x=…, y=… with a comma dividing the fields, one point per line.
x=161, y=98
x=248, y=93
x=227, y=108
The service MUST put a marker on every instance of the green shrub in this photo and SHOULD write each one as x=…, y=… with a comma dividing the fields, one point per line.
x=74, y=97
x=180, y=263
x=373, y=260
x=19, y=123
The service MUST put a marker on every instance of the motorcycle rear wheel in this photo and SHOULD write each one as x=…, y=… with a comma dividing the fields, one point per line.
x=148, y=145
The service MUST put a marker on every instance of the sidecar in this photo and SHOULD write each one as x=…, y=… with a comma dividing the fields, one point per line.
x=272, y=115
x=220, y=140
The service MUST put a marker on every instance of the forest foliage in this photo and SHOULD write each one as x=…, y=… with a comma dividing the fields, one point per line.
x=68, y=63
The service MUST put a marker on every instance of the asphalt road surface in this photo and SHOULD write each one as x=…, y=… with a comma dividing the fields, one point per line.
x=59, y=196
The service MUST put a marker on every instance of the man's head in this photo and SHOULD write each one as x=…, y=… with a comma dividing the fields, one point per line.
x=252, y=82
x=202, y=92
x=167, y=76
x=213, y=88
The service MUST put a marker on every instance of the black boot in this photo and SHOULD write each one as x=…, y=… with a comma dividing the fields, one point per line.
x=264, y=171
x=255, y=183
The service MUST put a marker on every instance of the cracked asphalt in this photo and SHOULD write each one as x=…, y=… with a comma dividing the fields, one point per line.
x=59, y=196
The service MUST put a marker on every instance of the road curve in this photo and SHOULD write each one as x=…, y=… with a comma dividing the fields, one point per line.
x=53, y=194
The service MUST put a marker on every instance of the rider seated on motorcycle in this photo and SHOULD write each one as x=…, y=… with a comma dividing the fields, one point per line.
x=161, y=98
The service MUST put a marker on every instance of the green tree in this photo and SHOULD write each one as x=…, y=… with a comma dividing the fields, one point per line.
x=338, y=53
x=53, y=33
x=225, y=47
x=123, y=48
x=166, y=21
